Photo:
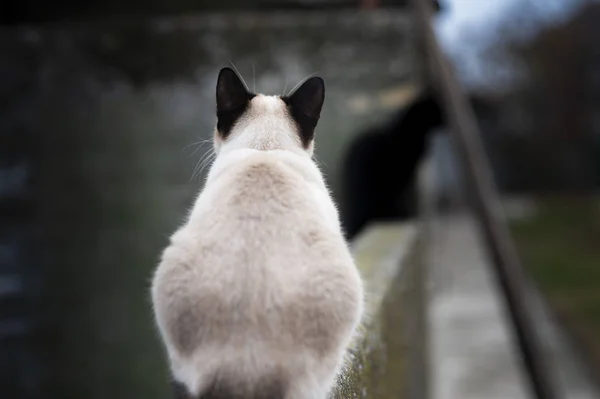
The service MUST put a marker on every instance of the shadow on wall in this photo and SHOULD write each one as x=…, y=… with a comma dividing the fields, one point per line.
x=378, y=175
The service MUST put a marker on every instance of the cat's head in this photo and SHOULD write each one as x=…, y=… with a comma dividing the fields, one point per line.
x=249, y=120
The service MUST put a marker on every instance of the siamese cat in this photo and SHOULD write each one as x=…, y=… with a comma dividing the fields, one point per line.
x=257, y=295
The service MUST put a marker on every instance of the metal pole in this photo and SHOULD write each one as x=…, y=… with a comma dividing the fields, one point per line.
x=482, y=190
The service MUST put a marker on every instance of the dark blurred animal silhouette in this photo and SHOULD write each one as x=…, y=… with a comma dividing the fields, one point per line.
x=379, y=168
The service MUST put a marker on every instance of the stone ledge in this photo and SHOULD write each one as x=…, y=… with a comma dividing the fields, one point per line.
x=377, y=361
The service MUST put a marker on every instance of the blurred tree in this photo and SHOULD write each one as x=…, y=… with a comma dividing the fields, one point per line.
x=560, y=70
x=549, y=120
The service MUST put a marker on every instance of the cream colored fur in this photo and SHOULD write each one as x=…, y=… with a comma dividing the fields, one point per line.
x=259, y=283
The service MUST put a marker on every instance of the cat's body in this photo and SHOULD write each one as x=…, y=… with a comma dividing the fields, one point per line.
x=257, y=295
x=380, y=165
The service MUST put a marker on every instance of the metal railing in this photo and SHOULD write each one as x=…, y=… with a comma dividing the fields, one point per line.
x=484, y=199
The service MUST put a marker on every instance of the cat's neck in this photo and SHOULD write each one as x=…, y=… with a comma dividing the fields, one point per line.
x=301, y=163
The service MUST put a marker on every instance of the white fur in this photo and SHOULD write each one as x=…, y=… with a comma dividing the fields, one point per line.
x=259, y=281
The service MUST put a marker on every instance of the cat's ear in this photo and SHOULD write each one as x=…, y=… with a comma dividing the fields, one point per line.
x=231, y=91
x=309, y=97
x=305, y=106
x=232, y=100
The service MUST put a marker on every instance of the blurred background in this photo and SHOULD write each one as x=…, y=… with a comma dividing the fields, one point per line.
x=105, y=112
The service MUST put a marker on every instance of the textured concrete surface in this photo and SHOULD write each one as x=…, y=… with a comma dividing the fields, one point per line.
x=377, y=363
x=472, y=353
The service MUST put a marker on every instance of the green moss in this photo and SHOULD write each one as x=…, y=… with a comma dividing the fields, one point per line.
x=377, y=363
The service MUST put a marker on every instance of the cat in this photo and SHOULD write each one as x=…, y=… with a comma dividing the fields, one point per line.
x=379, y=167
x=257, y=295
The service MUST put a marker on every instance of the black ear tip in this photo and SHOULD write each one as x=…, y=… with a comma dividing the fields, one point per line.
x=316, y=81
x=226, y=71
x=313, y=87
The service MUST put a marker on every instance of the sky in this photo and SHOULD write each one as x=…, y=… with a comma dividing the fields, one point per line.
x=468, y=13
x=467, y=27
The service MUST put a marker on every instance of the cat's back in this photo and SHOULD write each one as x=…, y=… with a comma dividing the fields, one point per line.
x=264, y=192
x=258, y=237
